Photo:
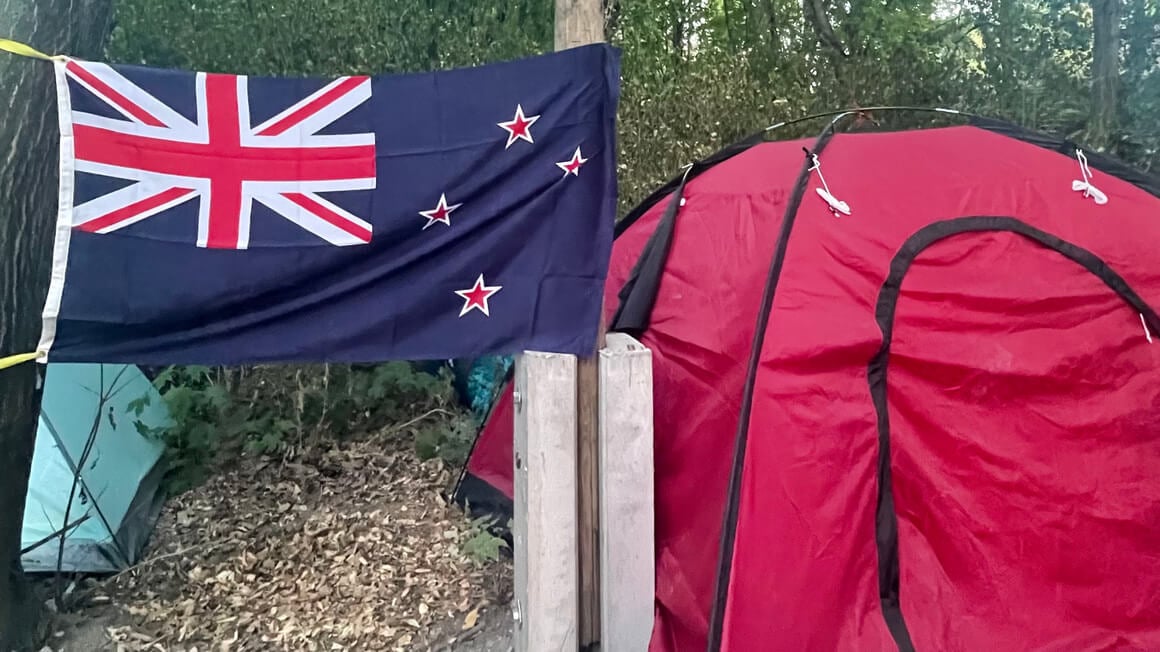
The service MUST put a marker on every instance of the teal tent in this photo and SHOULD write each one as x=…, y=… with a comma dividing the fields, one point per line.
x=117, y=494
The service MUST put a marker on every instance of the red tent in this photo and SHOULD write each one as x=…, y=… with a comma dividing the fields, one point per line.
x=932, y=423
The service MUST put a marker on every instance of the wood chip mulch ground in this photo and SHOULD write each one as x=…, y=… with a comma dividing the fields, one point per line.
x=356, y=549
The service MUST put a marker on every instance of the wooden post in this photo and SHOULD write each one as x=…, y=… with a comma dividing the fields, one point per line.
x=544, y=519
x=578, y=22
x=587, y=459
x=556, y=458
x=581, y=22
x=627, y=555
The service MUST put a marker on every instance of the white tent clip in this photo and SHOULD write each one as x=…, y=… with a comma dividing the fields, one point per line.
x=684, y=178
x=1085, y=186
x=836, y=205
x=1147, y=333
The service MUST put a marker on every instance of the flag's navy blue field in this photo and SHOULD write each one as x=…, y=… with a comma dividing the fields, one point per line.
x=222, y=219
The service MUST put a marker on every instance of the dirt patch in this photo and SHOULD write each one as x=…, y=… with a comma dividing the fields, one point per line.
x=85, y=631
x=484, y=630
x=353, y=549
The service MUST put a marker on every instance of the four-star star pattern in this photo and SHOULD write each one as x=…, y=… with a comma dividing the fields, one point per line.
x=518, y=128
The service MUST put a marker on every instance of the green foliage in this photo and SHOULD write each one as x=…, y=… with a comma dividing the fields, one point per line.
x=698, y=74
x=482, y=546
x=320, y=37
x=449, y=439
x=221, y=413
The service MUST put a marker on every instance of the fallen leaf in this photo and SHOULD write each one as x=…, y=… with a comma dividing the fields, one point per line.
x=471, y=619
x=297, y=557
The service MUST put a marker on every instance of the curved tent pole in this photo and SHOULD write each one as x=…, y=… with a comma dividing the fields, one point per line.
x=1104, y=163
x=1100, y=162
x=1107, y=164
x=728, y=529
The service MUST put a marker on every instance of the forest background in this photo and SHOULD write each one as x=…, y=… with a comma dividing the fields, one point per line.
x=696, y=75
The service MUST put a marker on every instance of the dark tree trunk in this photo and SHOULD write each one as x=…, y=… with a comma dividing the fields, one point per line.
x=611, y=17
x=814, y=12
x=28, y=200
x=773, y=25
x=1105, y=72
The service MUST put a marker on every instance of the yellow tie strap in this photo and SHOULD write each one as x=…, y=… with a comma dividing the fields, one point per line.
x=23, y=50
x=19, y=358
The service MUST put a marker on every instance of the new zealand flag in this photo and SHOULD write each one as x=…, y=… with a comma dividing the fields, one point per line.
x=223, y=219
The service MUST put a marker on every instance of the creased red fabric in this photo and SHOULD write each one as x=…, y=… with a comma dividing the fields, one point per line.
x=1024, y=406
x=1023, y=399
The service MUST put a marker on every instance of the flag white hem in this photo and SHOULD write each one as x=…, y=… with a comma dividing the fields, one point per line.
x=64, y=215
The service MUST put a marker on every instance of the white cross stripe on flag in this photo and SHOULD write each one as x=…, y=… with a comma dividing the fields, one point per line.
x=220, y=159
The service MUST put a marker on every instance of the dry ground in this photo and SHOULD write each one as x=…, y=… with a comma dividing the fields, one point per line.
x=354, y=548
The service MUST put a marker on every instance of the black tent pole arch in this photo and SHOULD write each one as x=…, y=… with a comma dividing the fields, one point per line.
x=1097, y=161
x=1104, y=163
x=729, y=527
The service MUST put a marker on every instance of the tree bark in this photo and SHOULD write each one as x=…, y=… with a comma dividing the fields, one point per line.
x=774, y=26
x=28, y=200
x=1105, y=72
x=578, y=22
x=814, y=13
x=611, y=17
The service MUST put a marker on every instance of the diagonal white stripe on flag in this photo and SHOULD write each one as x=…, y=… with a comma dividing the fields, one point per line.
x=133, y=93
x=313, y=223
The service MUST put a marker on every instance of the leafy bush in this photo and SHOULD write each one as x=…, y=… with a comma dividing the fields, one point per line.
x=482, y=544
x=286, y=410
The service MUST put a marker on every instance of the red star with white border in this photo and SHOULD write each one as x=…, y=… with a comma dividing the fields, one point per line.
x=441, y=212
x=573, y=166
x=475, y=297
x=519, y=127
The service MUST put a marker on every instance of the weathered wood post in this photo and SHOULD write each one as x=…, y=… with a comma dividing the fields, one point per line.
x=583, y=456
x=627, y=553
x=544, y=503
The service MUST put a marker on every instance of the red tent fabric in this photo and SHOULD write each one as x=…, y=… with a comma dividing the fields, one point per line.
x=932, y=424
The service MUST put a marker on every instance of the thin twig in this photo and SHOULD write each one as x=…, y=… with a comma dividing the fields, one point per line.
x=170, y=555
x=401, y=426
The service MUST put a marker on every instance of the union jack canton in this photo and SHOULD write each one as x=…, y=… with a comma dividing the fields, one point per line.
x=227, y=219
x=220, y=158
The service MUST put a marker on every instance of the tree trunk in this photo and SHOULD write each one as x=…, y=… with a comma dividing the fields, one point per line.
x=578, y=22
x=1105, y=72
x=28, y=200
x=814, y=13
x=611, y=17
x=774, y=27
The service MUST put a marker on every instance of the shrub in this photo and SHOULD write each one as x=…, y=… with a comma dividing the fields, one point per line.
x=285, y=410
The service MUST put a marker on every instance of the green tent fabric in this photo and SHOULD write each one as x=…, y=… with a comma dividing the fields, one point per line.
x=118, y=497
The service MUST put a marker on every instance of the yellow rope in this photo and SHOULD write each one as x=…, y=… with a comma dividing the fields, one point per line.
x=23, y=50
x=19, y=358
